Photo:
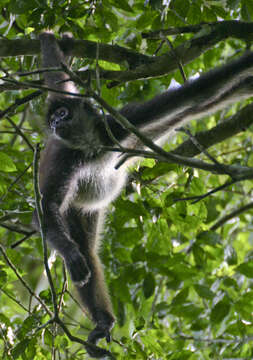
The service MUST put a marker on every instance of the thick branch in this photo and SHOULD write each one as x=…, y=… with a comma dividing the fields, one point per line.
x=78, y=48
x=238, y=29
x=141, y=66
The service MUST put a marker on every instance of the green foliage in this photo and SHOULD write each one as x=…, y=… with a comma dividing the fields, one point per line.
x=180, y=290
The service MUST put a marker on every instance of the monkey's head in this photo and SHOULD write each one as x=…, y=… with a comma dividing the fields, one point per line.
x=74, y=121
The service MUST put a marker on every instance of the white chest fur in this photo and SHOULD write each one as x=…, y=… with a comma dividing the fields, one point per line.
x=94, y=185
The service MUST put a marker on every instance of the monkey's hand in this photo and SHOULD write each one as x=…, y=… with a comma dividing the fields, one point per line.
x=98, y=352
x=77, y=267
x=105, y=323
x=99, y=333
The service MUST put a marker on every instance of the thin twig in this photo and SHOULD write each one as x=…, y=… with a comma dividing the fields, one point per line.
x=15, y=228
x=42, y=226
x=213, y=191
x=180, y=66
x=7, y=345
x=64, y=287
x=38, y=71
x=231, y=215
x=19, y=102
x=42, y=88
x=17, y=243
x=24, y=283
x=19, y=132
x=20, y=124
x=239, y=172
x=15, y=300
x=98, y=86
x=203, y=150
x=237, y=339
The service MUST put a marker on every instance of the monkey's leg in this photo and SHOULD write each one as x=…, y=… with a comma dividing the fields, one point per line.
x=94, y=296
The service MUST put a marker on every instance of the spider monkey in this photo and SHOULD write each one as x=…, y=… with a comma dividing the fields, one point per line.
x=78, y=180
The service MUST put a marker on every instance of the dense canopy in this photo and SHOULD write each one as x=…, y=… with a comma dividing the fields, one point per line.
x=177, y=245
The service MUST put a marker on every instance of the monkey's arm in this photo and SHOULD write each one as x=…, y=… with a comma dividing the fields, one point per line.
x=210, y=92
x=52, y=184
x=52, y=56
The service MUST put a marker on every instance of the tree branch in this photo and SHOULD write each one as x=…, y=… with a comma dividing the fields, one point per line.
x=231, y=215
x=77, y=48
x=24, y=283
x=230, y=28
x=225, y=129
x=140, y=66
x=42, y=227
x=19, y=102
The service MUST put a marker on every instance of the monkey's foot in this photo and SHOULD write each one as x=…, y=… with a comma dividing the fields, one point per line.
x=78, y=268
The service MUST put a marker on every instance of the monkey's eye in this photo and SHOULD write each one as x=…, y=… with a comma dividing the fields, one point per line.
x=62, y=112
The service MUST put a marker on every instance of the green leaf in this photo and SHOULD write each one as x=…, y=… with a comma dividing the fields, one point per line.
x=3, y=278
x=220, y=311
x=204, y=292
x=233, y=4
x=197, y=187
x=144, y=20
x=149, y=285
x=123, y=5
x=20, y=348
x=209, y=15
x=5, y=320
x=244, y=305
x=230, y=255
x=122, y=292
x=138, y=253
x=209, y=237
x=247, y=10
x=6, y=163
x=194, y=14
x=246, y=269
x=181, y=297
x=139, y=323
x=22, y=6
x=159, y=169
x=181, y=7
x=199, y=255
x=189, y=311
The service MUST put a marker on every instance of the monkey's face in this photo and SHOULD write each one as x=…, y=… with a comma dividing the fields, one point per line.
x=59, y=118
x=75, y=122
x=60, y=114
